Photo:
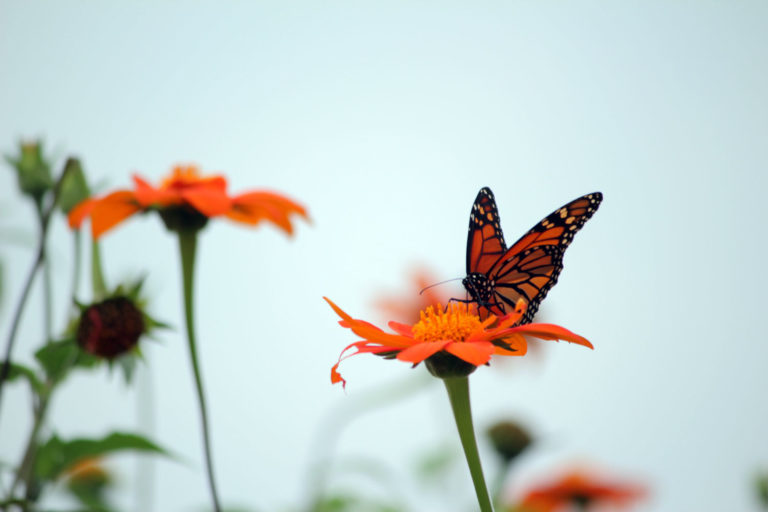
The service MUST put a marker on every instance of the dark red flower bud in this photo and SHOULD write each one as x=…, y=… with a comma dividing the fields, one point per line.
x=110, y=328
x=509, y=439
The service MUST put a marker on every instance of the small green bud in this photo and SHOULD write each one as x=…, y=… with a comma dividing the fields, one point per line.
x=33, y=170
x=74, y=187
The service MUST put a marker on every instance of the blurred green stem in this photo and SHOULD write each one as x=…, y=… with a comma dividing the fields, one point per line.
x=38, y=261
x=458, y=394
x=47, y=290
x=187, y=248
x=45, y=218
x=77, y=257
x=25, y=471
x=97, y=275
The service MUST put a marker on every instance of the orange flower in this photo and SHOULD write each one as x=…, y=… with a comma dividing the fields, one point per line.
x=456, y=332
x=421, y=294
x=186, y=196
x=577, y=489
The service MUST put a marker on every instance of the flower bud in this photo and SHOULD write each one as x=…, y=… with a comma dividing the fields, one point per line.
x=509, y=439
x=74, y=188
x=33, y=171
x=110, y=328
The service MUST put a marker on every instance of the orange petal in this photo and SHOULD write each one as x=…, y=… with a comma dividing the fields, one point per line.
x=476, y=353
x=211, y=202
x=336, y=376
x=147, y=195
x=370, y=332
x=78, y=214
x=253, y=207
x=419, y=352
x=401, y=329
x=516, y=343
x=551, y=332
x=111, y=210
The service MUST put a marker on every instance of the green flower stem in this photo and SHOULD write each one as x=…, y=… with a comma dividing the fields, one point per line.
x=45, y=218
x=187, y=247
x=97, y=275
x=25, y=470
x=47, y=289
x=6, y=367
x=458, y=394
x=76, y=260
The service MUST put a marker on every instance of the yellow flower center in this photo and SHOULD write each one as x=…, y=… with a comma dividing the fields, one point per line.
x=455, y=323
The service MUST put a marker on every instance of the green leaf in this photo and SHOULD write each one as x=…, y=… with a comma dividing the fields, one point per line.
x=17, y=371
x=56, y=455
x=58, y=357
x=74, y=188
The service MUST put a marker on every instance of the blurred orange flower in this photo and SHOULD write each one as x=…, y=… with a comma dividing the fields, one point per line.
x=456, y=330
x=189, y=193
x=420, y=294
x=583, y=491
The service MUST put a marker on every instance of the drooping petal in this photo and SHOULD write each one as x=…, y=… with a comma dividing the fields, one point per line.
x=477, y=353
x=419, y=352
x=361, y=348
x=78, y=214
x=551, y=332
x=253, y=207
x=111, y=210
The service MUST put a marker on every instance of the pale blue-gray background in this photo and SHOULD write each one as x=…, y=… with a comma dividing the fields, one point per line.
x=385, y=119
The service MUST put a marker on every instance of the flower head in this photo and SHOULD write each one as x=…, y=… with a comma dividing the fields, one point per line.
x=453, y=341
x=580, y=489
x=111, y=327
x=186, y=200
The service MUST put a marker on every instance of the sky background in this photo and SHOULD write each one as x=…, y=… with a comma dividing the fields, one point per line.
x=385, y=119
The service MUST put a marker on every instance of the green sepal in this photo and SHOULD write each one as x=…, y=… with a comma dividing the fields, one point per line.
x=56, y=455
x=74, y=187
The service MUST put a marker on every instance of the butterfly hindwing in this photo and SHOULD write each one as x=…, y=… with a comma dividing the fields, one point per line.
x=528, y=275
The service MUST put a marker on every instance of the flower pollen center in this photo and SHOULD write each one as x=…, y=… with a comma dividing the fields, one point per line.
x=454, y=323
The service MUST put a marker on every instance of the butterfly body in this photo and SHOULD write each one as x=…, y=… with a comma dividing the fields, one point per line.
x=497, y=276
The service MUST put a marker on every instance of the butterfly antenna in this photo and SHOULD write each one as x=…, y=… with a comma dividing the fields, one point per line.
x=437, y=284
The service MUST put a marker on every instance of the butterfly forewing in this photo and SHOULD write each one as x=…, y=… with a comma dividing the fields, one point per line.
x=532, y=265
x=558, y=228
x=485, y=243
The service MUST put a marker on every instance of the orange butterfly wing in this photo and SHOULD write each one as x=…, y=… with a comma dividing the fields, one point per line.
x=531, y=266
x=485, y=245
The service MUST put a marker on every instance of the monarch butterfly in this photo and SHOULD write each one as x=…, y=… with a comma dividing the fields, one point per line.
x=497, y=276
